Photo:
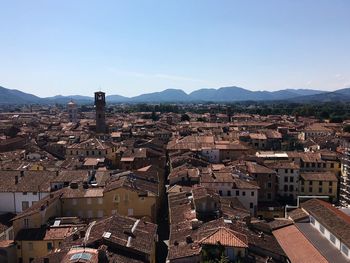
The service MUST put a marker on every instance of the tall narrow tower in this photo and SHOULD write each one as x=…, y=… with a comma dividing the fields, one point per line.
x=72, y=112
x=100, y=103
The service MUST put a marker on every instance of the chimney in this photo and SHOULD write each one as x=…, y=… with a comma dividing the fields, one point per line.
x=196, y=223
x=16, y=179
x=82, y=233
x=75, y=236
x=22, y=173
x=74, y=185
x=247, y=220
x=189, y=239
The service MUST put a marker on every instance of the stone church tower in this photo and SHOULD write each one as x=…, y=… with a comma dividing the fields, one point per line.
x=100, y=103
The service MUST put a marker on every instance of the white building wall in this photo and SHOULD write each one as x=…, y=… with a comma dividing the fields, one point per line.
x=327, y=234
x=7, y=203
x=226, y=190
x=282, y=174
x=29, y=197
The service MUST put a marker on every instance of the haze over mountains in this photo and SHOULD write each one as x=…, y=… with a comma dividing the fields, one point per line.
x=225, y=94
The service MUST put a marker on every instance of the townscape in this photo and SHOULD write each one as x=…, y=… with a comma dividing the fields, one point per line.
x=104, y=184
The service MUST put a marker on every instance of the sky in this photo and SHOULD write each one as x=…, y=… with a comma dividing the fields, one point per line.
x=139, y=46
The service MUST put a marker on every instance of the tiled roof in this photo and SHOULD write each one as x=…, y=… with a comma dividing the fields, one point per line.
x=132, y=183
x=297, y=247
x=297, y=214
x=255, y=168
x=81, y=192
x=44, y=233
x=225, y=237
x=337, y=222
x=92, y=143
x=28, y=181
x=127, y=232
x=318, y=176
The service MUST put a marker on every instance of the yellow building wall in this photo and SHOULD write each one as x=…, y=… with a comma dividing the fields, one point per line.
x=93, y=153
x=331, y=166
x=85, y=207
x=304, y=189
x=34, y=249
x=37, y=167
x=37, y=219
x=121, y=200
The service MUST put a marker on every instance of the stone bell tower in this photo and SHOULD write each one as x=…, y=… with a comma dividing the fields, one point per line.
x=100, y=103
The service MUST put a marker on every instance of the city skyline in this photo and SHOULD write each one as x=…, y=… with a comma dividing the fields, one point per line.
x=131, y=48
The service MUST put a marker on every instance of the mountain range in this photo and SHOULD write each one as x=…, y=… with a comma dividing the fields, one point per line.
x=225, y=94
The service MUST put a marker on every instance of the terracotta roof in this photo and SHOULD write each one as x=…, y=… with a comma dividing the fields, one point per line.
x=136, y=234
x=6, y=243
x=28, y=181
x=318, y=127
x=226, y=237
x=92, y=143
x=297, y=247
x=282, y=165
x=81, y=192
x=255, y=168
x=337, y=222
x=257, y=136
x=44, y=233
x=133, y=183
x=297, y=214
x=319, y=176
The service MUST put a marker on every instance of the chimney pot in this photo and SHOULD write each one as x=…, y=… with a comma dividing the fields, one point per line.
x=82, y=233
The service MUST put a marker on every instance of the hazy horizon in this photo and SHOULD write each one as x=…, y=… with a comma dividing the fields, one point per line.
x=130, y=48
x=109, y=94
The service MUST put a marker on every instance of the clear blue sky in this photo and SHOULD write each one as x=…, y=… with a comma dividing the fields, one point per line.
x=132, y=47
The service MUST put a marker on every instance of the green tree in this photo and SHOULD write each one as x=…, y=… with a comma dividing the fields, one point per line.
x=12, y=131
x=223, y=259
x=154, y=116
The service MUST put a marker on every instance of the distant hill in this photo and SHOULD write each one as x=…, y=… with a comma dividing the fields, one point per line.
x=224, y=94
x=239, y=94
x=338, y=95
x=12, y=96
x=65, y=99
x=168, y=95
x=117, y=99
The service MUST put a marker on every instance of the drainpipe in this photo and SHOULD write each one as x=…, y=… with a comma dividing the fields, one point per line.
x=14, y=201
